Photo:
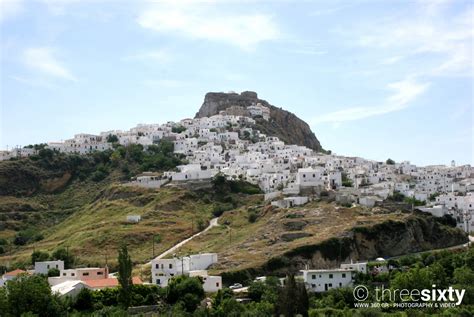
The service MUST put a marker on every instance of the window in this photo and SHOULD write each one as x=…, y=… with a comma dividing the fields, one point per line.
x=313, y=285
x=158, y=281
x=343, y=274
x=171, y=266
x=340, y=284
x=64, y=274
x=314, y=276
x=157, y=266
x=73, y=274
x=100, y=273
x=47, y=266
x=330, y=275
x=330, y=284
x=217, y=284
x=85, y=274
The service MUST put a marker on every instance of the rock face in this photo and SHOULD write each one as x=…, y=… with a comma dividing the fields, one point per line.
x=283, y=124
x=417, y=233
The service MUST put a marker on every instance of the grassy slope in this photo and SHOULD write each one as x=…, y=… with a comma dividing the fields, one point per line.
x=97, y=228
x=247, y=245
x=90, y=219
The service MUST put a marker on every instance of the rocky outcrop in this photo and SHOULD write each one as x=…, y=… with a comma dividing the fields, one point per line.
x=417, y=233
x=283, y=124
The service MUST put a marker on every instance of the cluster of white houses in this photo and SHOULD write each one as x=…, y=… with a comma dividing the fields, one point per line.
x=70, y=281
x=289, y=175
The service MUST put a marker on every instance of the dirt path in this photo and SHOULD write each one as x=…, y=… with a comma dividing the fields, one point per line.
x=212, y=223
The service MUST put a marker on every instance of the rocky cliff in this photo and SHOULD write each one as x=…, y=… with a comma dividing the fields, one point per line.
x=283, y=124
x=417, y=233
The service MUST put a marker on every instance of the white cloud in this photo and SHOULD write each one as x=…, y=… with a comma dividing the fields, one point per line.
x=429, y=32
x=43, y=59
x=34, y=82
x=159, y=55
x=392, y=60
x=10, y=8
x=58, y=7
x=203, y=21
x=405, y=92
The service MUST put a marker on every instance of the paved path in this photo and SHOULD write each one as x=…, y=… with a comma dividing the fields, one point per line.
x=212, y=223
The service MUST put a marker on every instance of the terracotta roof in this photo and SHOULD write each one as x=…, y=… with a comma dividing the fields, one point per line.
x=108, y=282
x=15, y=272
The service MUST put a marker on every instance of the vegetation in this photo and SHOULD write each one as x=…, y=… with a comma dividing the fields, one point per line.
x=346, y=182
x=178, y=129
x=442, y=268
x=124, y=276
x=390, y=162
x=31, y=295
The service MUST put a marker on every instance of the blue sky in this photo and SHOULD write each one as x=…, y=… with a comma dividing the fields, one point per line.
x=375, y=79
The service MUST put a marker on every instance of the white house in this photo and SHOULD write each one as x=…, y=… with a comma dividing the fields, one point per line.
x=134, y=218
x=324, y=280
x=44, y=266
x=289, y=202
x=357, y=267
x=162, y=270
x=211, y=284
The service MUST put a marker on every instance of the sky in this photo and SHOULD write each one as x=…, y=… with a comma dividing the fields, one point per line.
x=376, y=79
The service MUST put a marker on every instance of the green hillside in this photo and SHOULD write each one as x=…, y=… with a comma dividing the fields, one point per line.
x=80, y=203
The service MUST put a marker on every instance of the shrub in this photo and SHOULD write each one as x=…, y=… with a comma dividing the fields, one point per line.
x=53, y=272
x=39, y=256
x=219, y=209
x=28, y=235
x=252, y=217
x=178, y=129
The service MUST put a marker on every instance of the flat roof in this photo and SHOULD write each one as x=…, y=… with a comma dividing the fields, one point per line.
x=327, y=270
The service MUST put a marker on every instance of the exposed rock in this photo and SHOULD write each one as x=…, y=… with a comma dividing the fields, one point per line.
x=417, y=233
x=283, y=124
x=290, y=236
x=294, y=225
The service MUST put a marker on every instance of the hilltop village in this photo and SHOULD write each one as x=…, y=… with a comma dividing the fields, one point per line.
x=289, y=175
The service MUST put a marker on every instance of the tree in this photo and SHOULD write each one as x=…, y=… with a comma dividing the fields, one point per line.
x=32, y=294
x=185, y=290
x=39, y=256
x=124, y=276
x=293, y=299
x=84, y=300
x=53, y=272
x=112, y=138
x=221, y=295
x=390, y=162
x=178, y=129
x=256, y=291
x=64, y=255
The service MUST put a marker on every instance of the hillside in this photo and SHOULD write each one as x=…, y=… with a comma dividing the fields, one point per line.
x=59, y=200
x=88, y=214
x=320, y=234
x=283, y=124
